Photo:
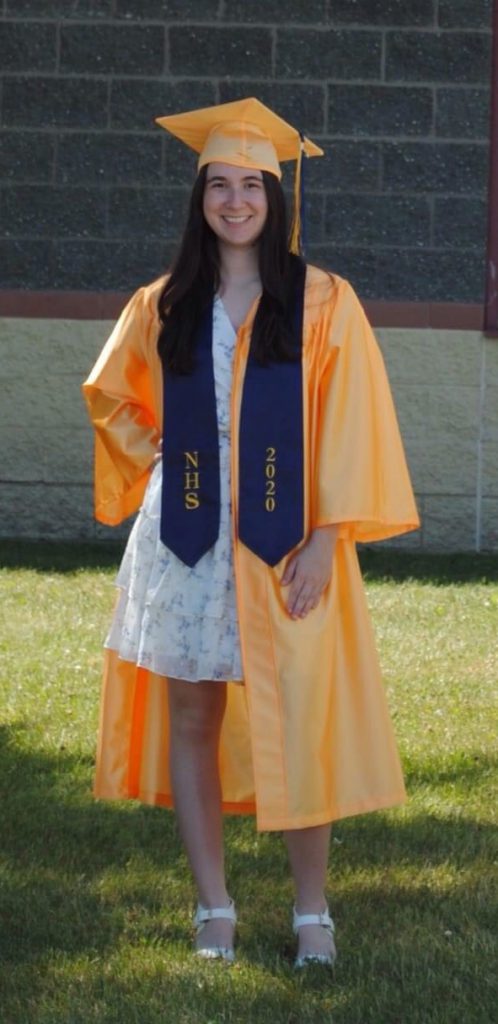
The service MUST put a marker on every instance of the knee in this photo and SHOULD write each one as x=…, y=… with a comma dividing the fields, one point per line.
x=195, y=721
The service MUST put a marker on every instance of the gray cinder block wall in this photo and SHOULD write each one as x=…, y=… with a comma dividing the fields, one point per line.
x=92, y=197
x=396, y=91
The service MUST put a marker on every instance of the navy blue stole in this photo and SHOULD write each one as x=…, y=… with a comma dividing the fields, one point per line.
x=190, y=496
x=271, y=451
x=271, y=448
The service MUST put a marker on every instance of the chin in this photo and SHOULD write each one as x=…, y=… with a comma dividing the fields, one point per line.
x=238, y=243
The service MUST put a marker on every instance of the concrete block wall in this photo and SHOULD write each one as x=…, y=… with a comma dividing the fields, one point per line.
x=93, y=194
x=445, y=385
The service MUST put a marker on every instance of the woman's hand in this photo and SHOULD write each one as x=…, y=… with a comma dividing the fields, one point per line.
x=308, y=571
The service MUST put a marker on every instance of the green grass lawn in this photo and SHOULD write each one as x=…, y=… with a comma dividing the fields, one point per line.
x=96, y=899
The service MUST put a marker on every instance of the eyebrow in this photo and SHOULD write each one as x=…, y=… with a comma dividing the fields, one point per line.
x=222, y=177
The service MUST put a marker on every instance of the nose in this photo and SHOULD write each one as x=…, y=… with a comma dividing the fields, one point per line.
x=235, y=197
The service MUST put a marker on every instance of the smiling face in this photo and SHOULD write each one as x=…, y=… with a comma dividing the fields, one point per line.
x=235, y=204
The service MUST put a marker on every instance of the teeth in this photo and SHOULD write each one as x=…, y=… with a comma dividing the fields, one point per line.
x=236, y=220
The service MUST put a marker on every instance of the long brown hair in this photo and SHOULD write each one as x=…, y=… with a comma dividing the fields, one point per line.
x=195, y=277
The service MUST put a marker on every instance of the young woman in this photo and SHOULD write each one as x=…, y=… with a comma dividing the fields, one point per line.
x=262, y=381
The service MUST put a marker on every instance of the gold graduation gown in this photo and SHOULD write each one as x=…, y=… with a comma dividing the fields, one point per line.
x=308, y=739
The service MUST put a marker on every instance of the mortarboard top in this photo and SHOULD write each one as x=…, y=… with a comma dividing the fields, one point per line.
x=244, y=133
x=239, y=133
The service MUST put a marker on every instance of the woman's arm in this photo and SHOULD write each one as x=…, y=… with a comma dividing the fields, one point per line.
x=120, y=400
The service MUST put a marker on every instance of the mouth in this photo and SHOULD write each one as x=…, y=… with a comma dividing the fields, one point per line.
x=236, y=220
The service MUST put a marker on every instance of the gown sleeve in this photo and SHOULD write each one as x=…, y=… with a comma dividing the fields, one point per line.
x=362, y=481
x=120, y=398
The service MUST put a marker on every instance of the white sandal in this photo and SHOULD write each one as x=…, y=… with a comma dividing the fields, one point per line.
x=325, y=920
x=205, y=914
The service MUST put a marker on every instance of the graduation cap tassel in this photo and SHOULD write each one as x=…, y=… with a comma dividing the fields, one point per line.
x=302, y=199
x=297, y=229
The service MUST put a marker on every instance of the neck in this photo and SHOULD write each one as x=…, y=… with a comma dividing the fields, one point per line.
x=238, y=266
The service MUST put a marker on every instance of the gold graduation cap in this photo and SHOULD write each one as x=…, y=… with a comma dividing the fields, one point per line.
x=245, y=133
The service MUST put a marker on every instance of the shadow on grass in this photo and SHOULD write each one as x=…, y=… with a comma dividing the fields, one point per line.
x=377, y=563
x=58, y=843
x=68, y=885
x=428, y=567
x=59, y=556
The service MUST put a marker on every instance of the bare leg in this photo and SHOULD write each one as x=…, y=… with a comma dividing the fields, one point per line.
x=308, y=856
x=196, y=713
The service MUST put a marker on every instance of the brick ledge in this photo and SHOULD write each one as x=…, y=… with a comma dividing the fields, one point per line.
x=58, y=305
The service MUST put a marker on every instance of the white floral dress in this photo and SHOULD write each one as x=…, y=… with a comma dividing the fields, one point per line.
x=170, y=618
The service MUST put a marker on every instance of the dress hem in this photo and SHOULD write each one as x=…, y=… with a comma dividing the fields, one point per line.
x=165, y=675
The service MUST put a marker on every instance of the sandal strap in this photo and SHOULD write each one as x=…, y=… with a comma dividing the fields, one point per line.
x=299, y=920
x=216, y=953
x=205, y=914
